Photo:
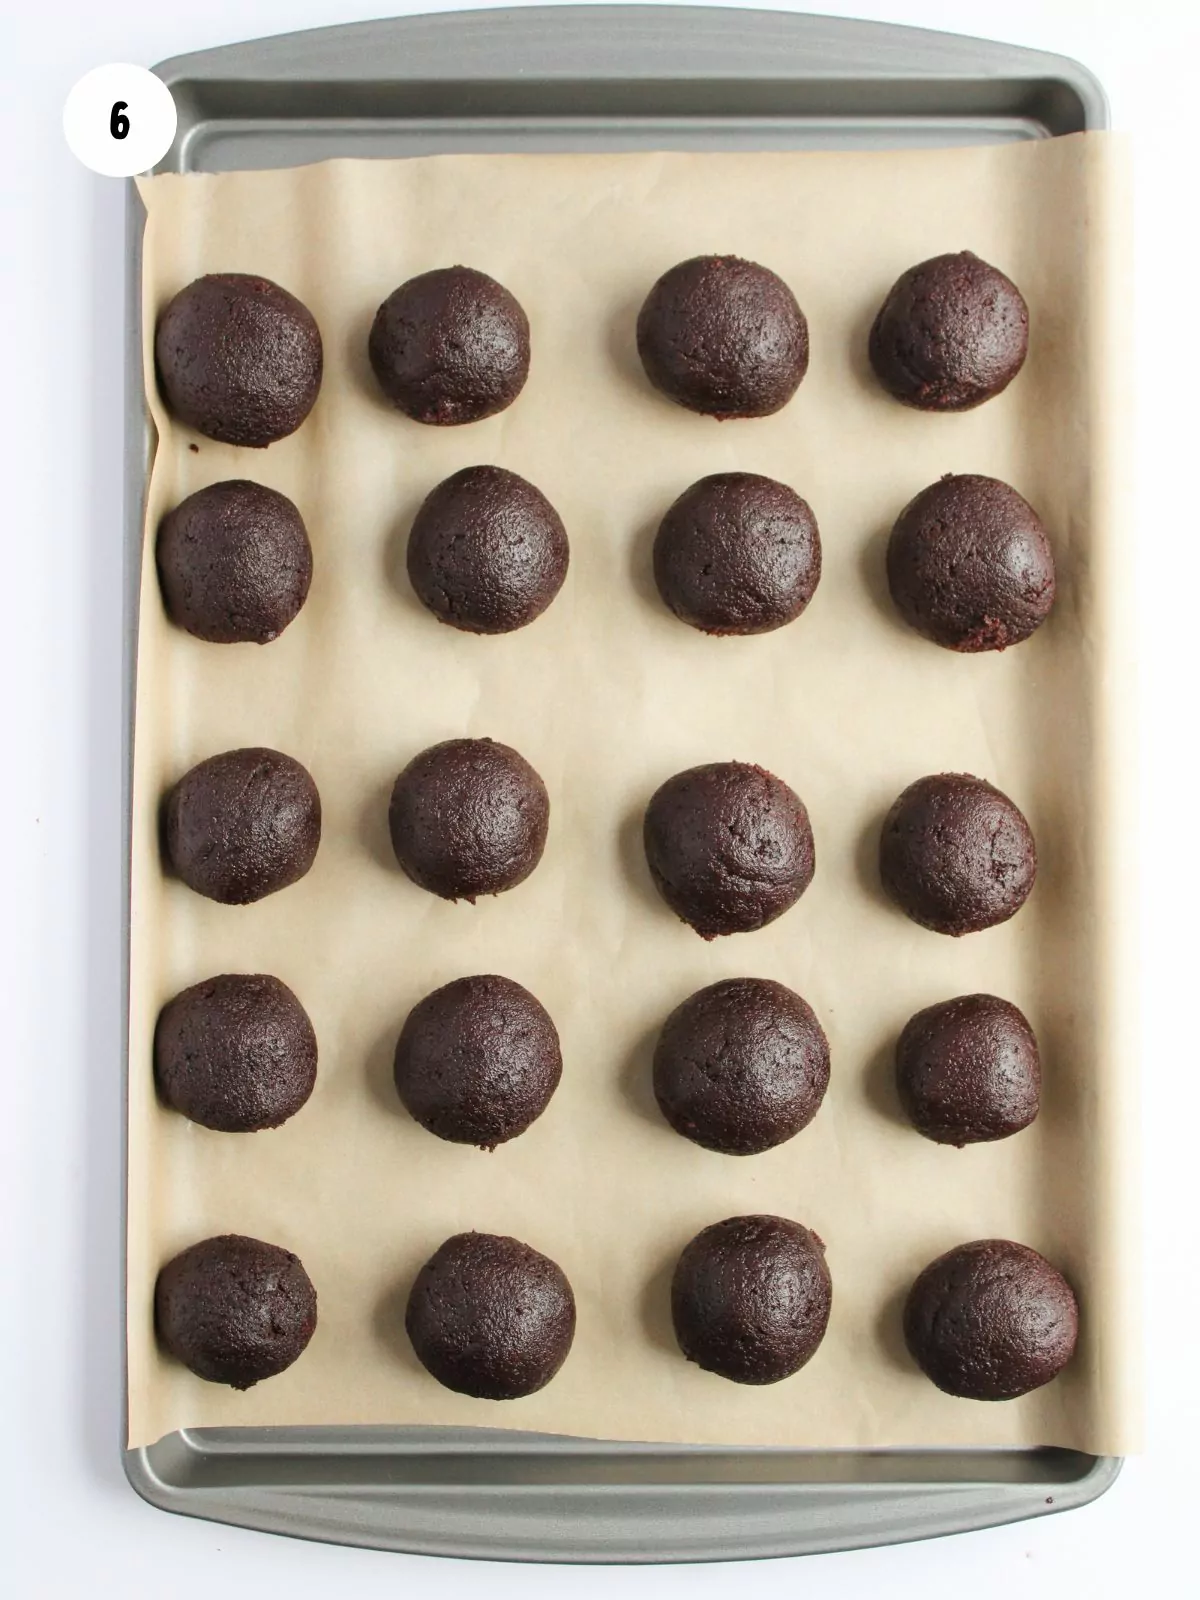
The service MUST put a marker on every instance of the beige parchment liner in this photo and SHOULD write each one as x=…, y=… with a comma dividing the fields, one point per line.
x=608, y=695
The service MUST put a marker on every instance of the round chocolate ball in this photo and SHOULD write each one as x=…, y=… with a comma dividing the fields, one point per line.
x=242, y=825
x=729, y=847
x=968, y=1070
x=468, y=817
x=450, y=346
x=236, y=1053
x=724, y=337
x=969, y=565
x=239, y=359
x=952, y=333
x=489, y=1316
x=235, y=1310
x=737, y=553
x=741, y=1066
x=991, y=1320
x=477, y=1061
x=750, y=1298
x=956, y=855
x=234, y=563
x=487, y=552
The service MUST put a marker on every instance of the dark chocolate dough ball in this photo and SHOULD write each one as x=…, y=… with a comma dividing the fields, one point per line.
x=242, y=825
x=956, y=855
x=477, y=1061
x=450, y=346
x=750, y=1298
x=741, y=1066
x=487, y=552
x=724, y=337
x=991, y=1320
x=235, y=1310
x=468, y=817
x=968, y=1070
x=969, y=565
x=234, y=563
x=239, y=359
x=490, y=1317
x=236, y=1053
x=952, y=333
x=737, y=553
x=729, y=847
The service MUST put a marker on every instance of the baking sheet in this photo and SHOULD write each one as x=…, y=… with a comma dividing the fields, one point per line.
x=607, y=695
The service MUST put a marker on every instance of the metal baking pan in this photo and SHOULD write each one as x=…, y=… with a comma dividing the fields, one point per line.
x=590, y=78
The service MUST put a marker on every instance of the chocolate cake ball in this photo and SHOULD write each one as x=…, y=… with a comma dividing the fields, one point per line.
x=235, y=1310
x=952, y=333
x=969, y=565
x=242, y=825
x=968, y=1070
x=477, y=1061
x=450, y=346
x=991, y=1320
x=468, y=817
x=236, y=1053
x=737, y=553
x=487, y=552
x=729, y=847
x=741, y=1066
x=234, y=563
x=489, y=1316
x=724, y=337
x=239, y=359
x=956, y=855
x=750, y=1298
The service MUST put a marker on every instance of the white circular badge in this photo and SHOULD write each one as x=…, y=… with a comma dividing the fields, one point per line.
x=119, y=120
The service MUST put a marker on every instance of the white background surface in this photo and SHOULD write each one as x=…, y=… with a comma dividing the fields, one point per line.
x=69, y=1525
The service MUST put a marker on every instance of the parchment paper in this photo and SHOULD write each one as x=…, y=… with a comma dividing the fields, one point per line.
x=608, y=695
